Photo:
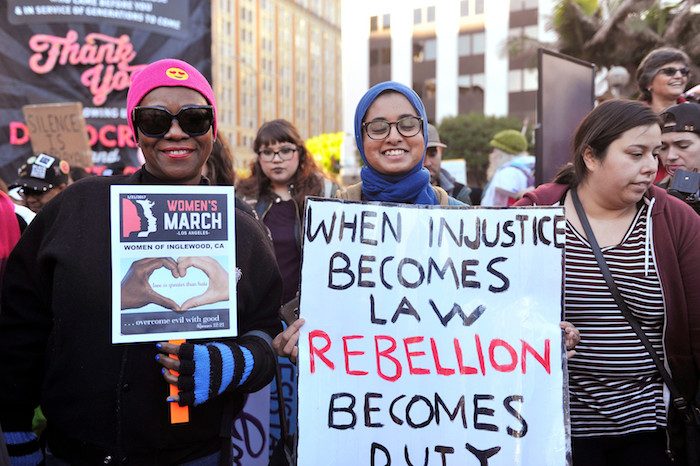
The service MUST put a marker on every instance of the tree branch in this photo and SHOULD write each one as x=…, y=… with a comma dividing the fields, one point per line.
x=679, y=22
x=619, y=16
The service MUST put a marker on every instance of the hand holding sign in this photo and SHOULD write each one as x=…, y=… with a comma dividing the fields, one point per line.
x=285, y=343
x=572, y=337
x=137, y=292
x=218, y=280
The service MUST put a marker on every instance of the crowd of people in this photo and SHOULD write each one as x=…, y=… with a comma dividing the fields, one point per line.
x=631, y=270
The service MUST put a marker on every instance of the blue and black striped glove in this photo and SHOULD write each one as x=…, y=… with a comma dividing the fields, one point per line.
x=207, y=370
x=23, y=448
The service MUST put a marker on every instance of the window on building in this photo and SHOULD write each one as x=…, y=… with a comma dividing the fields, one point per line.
x=373, y=57
x=515, y=80
x=478, y=43
x=479, y=7
x=386, y=56
x=417, y=16
x=430, y=14
x=464, y=8
x=464, y=47
x=429, y=49
x=373, y=23
x=531, y=32
x=386, y=21
x=530, y=79
x=418, y=53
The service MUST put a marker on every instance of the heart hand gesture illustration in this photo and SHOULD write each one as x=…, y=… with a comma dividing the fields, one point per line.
x=137, y=292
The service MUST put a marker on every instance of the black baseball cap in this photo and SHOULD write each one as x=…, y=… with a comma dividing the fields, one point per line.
x=42, y=172
x=683, y=117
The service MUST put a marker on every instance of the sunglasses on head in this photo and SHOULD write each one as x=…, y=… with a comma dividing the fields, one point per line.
x=671, y=71
x=155, y=122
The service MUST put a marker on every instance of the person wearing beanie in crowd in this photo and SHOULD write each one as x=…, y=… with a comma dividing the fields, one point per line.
x=438, y=175
x=511, y=169
x=106, y=403
x=40, y=179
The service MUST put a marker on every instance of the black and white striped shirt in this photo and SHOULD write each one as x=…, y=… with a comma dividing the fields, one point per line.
x=614, y=386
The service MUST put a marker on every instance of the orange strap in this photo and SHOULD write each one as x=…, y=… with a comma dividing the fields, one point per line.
x=178, y=414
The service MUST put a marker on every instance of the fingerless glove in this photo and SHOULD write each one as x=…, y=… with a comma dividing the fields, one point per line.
x=23, y=448
x=207, y=370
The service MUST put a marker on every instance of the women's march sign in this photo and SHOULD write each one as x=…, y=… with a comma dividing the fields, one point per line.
x=432, y=336
x=173, y=263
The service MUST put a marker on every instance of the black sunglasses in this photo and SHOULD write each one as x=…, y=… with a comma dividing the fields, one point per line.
x=155, y=122
x=671, y=71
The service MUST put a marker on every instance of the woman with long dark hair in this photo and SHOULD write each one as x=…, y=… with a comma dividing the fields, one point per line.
x=283, y=175
x=650, y=242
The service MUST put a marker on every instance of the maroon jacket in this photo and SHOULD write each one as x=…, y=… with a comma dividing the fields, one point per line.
x=675, y=241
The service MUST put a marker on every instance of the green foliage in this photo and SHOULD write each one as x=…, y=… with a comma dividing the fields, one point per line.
x=326, y=150
x=624, y=39
x=467, y=137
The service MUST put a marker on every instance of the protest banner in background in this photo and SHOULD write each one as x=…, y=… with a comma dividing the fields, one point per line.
x=250, y=431
x=87, y=51
x=173, y=263
x=59, y=130
x=432, y=336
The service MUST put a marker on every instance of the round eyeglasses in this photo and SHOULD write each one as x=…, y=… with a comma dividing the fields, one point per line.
x=285, y=153
x=406, y=126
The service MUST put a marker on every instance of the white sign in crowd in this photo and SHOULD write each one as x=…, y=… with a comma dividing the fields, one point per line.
x=432, y=336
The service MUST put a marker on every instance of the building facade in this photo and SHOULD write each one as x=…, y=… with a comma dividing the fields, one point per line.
x=276, y=59
x=455, y=53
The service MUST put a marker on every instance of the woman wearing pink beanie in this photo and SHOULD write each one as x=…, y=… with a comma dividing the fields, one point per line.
x=105, y=403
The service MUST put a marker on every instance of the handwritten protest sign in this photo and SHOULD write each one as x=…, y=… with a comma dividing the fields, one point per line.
x=250, y=432
x=59, y=130
x=432, y=336
x=173, y=263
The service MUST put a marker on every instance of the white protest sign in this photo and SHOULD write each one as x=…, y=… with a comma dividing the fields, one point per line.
x=173, y=263
x=432, y=336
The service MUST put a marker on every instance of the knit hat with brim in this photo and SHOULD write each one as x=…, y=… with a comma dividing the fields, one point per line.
x=169, y=72
x=510, y=141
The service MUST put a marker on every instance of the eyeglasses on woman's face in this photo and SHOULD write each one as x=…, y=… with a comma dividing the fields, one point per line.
x=671, y=71
x=407, y=126
x=155, y=122
x=285, y=153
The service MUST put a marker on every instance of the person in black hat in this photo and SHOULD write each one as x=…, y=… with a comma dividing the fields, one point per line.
x=40, y=179
x=680, y=152
x=680, y=137
x=439, y=176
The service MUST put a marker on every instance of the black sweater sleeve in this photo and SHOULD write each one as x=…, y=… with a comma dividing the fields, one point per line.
x=25, y=324
x=259, y=292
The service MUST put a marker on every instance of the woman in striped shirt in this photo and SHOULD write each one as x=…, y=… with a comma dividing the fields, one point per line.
x=651, y=243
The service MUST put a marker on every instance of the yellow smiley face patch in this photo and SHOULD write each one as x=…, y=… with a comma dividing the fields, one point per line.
x=176, y=73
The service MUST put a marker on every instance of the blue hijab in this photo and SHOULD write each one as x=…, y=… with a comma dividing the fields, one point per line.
x=412, y=187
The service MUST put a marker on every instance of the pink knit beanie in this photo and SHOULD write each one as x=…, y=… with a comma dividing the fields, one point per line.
x=167, y=73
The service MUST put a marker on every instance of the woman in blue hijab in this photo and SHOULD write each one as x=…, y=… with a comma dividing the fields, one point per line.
x=391, y=128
